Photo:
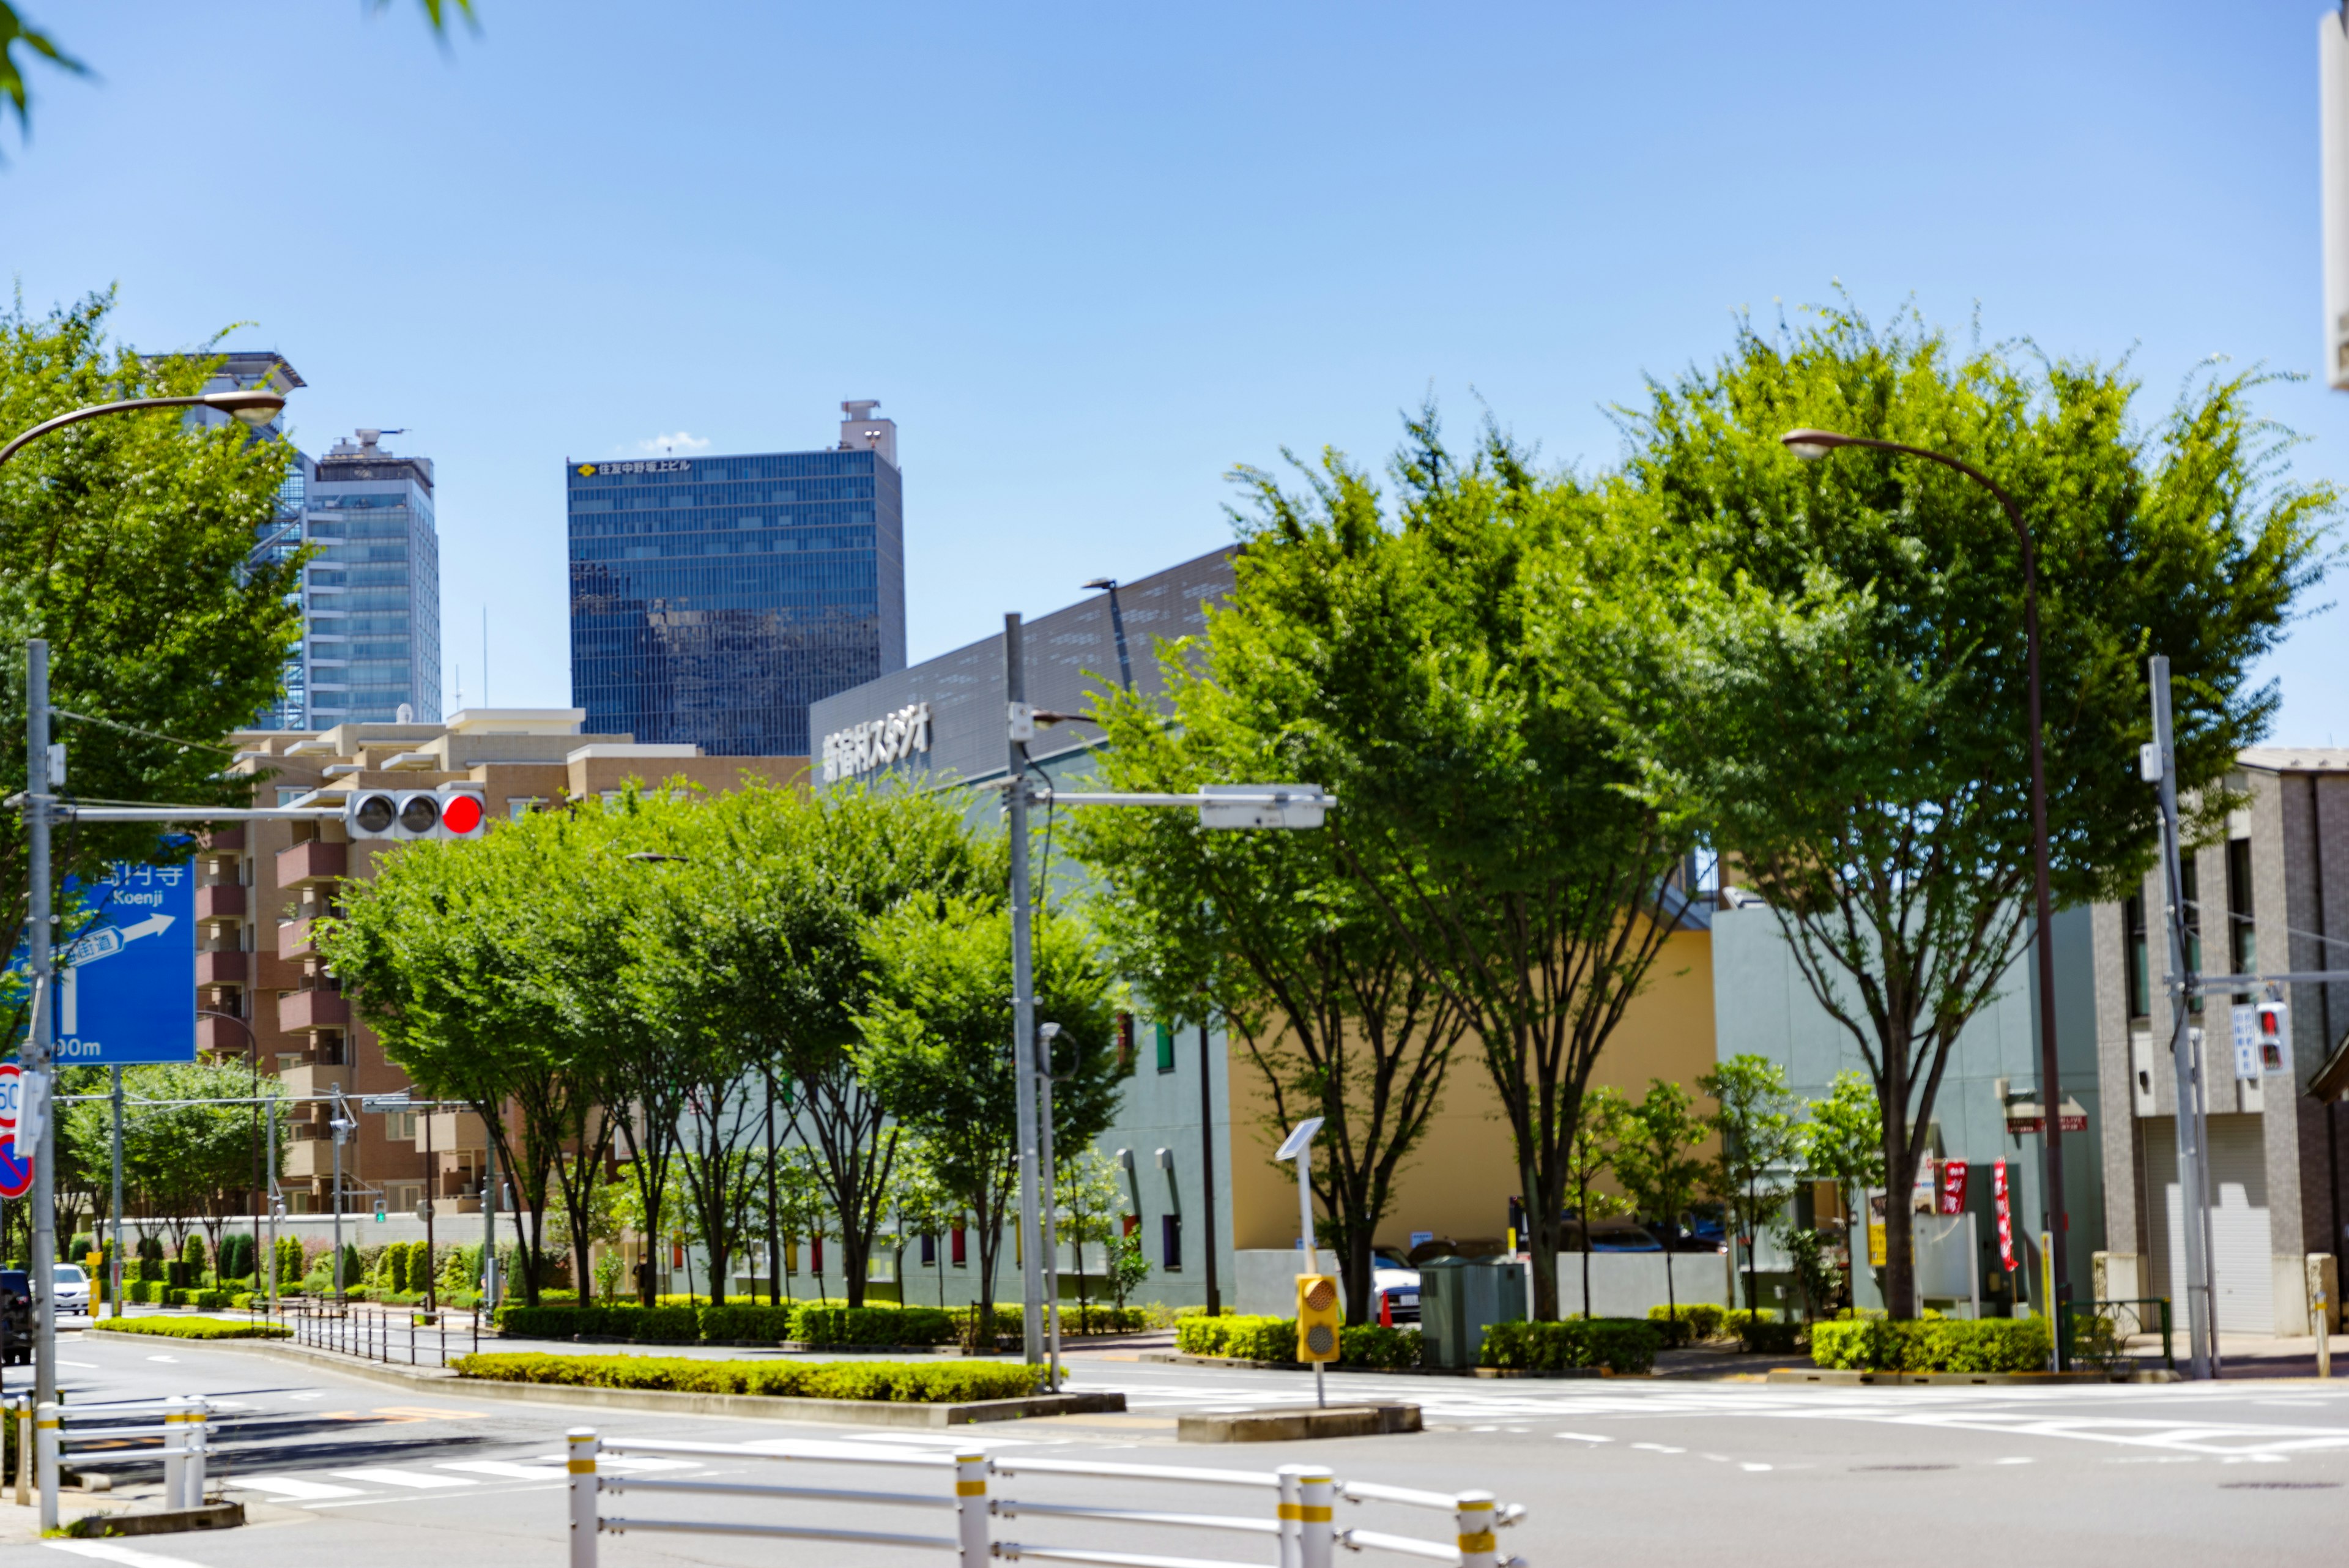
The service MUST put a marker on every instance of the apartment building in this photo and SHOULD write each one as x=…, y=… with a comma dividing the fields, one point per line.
x=263, y=994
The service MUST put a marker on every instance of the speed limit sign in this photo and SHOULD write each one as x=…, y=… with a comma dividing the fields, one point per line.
x=16, y=1168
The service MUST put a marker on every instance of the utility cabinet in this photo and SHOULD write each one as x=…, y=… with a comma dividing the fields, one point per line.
x=1460, y=1297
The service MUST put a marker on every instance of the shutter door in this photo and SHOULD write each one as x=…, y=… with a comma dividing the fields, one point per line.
x=2244, y=1273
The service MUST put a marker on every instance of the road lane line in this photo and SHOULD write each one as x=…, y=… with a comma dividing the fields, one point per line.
x=384, y=1476
x=126, y=1556
x=293, y=1487
x=507, y=1468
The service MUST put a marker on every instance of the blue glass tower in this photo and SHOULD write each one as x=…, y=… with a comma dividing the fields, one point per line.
x=714, y=599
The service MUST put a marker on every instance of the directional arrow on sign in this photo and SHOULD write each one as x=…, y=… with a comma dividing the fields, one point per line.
x=114, y=939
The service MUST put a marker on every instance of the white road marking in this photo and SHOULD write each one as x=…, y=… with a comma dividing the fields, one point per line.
x=1753, y=1466
x=1585, y=1437
x=1660, y=1449
x=106, y=1553
x=384, y=1476
x=162, y=1358
x=630, y=1462
x=293, y=1488
x=314, y=1394
x=85, y=1366
x=505, y=1467
x=2013, y=1461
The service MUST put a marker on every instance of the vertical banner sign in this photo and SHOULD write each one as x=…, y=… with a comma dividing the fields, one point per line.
x=1953, y=1191
x=2005, y=1216
x=2246, y=1021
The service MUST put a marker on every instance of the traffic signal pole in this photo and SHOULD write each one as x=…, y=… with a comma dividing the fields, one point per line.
x=1024, y=1000
x=39, y=1069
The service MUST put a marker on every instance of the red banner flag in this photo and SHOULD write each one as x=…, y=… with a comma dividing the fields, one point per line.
x=1953, y=1191
x=2005, y=1216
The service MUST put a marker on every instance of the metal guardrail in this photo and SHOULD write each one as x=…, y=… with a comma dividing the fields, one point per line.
x=179, y=1423
x=373, y=1334
x=1302, y=1522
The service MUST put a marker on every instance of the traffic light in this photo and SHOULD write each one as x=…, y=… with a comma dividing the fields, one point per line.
x=1318, y=1319
x=407, y=814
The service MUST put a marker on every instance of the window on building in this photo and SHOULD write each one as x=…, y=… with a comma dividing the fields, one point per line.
x=929, y=1250
x=522, y=805
x=2242, y=935
x=959, y=1254
x=2132, y=951
x=1165, y=1046
x=1170, y=1241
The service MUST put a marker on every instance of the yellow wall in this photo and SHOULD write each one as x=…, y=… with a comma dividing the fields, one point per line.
x=1459, y=1181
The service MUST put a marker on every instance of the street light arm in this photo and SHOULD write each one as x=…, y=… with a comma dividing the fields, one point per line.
x=244, y=405
x=2013, y=513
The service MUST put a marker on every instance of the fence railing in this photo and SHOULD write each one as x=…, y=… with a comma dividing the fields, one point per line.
x=1302, y=1521
x=398, y=1337
x=179, y=1423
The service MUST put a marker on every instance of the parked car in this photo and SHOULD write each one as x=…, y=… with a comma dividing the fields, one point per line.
x=1610, y=1236
x=72, y=1288
x=16, y=1318
x=1394, y=1286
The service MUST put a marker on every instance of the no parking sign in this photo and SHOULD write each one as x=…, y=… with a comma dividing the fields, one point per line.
x=15, y=1169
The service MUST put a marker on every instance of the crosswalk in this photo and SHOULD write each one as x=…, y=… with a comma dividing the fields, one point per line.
x=363, y=1482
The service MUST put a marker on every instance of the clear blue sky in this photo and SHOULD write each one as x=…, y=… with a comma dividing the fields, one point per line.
x=1091, y=256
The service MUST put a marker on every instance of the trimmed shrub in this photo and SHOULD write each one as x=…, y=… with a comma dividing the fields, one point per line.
x=745, y=1325
x=871, y=1326
x=1374, y=1344
x=1702, y=1320
x=190, y=1328
x=193, y=1256
x=890, y=1381
x=1616, y=1345
x=1932, y=1344
x=1249, y=1338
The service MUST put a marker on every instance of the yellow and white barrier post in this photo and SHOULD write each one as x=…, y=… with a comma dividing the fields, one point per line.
x=1291, y=1515
x=45, y=1460
x=1317, y=1530
x=1475, y=1520
x=24, y=1418
x=971, y=1517
x=175, y=1453
x=197, y=1439
x=583, y=1446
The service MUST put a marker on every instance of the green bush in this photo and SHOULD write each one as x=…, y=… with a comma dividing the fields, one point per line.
x=874, y=1325
x=890, y=1381
x=1618, y=1344
x=745, y=1325
x=190, y=1328
x=1932, y=1344
x=1373, y=1345
x=1760, y=1336
x=1275, y=1339
x=1703, y=1320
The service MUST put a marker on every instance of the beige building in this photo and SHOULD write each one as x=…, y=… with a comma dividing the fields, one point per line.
x=263, y=995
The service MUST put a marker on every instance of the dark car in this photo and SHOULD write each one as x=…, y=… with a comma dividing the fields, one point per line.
x=16, y=1318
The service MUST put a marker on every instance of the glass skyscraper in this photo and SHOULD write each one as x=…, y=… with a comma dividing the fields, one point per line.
x=371, y=596
x=714, y=599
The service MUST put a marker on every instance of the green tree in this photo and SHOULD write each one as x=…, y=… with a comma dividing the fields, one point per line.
x=935, y=1045
x=185, y=1160
x=1759, y=1145
x=1848, y=713
x=1590, y=1156
x=1843, y=1142
x=128, y=543
x=1089, y=1204
x=924, y=1205
x=1658, y=1167
x=1464, y=669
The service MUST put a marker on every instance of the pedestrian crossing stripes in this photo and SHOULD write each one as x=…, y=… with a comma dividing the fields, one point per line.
x=382, y=1482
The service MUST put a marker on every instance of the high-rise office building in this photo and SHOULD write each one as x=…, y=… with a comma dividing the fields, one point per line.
x=714, y=599
x=371, y=594
x=281, y=536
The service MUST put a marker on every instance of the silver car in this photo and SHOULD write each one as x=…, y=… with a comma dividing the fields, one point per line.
x=72, y=1290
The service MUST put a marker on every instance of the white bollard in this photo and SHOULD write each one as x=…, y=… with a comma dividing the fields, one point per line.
x=583, y=1514
x=971, y=1516
x=1292, y=1513
x=23, y=1418
x=175, y=1454
x=199, y=1440
x=44, y=1458
x=1316, y=1533
x=1474, y=1520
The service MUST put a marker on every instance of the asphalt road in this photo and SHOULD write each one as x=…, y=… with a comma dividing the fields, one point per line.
x=1626, y=1471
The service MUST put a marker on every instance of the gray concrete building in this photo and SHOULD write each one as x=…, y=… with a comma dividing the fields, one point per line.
x=2271, y=895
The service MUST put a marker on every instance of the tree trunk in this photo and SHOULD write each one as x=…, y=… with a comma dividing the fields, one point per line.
x=1357, y=1276
x=1582, y=1214
x=856, y=1261
x=1542, y=1228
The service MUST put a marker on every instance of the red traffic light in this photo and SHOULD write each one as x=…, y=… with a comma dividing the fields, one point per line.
x=461, y=815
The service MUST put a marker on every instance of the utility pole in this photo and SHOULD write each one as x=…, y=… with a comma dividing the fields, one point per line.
x=269, y=1171
x=2193, y=1184
x=39, y=1068
x=489, y=1218
x=1208, y=1166
x=340, y=1126
x=1023, y=999
x=114, y=1272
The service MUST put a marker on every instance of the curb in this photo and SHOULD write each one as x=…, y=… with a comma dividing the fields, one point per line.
x=164, y=1521
x=1293, y=1424
x=1841, y=1377
x=757, y=1407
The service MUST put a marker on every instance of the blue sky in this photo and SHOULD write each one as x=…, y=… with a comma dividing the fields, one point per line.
x=1088, y=257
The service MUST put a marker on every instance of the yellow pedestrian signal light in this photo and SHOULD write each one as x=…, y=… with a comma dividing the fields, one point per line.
x=1317, y=1318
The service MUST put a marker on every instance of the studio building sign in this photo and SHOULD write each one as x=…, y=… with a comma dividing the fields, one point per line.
x=876, y=744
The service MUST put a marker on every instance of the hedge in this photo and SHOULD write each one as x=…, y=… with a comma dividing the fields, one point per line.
x=820, y=1324
x=1275, y=1339
x=888, y=1382
x=190, y=1328
x=875, y=1326
x=1618, y=1344
x=1932, y=1344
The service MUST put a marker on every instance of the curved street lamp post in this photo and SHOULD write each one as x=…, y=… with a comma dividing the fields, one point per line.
x=1811, y=445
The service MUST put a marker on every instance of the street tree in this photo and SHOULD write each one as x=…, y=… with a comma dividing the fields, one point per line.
x=1848, y=710
x=1657, y=1164
x=1842, y=1141
x=1590, y=1156
x=935, y=1037
x=1468, y=668
x=1759, y=1143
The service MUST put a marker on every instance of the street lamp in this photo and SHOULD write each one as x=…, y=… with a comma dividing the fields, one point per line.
x=1117, y=628
x=254, y=406
x=1811, y=445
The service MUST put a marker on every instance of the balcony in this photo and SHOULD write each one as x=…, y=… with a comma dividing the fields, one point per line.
x=221, y=901
x=221, y=840
x=315, y=1079
x=222, y=1036
x=293, y=942
x=451, y=1131
x=222, y=969
x=307, y=1011
x=312, y=860
x=270, y=972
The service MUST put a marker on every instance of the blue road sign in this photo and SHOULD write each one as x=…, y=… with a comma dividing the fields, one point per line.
x=127, y=985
